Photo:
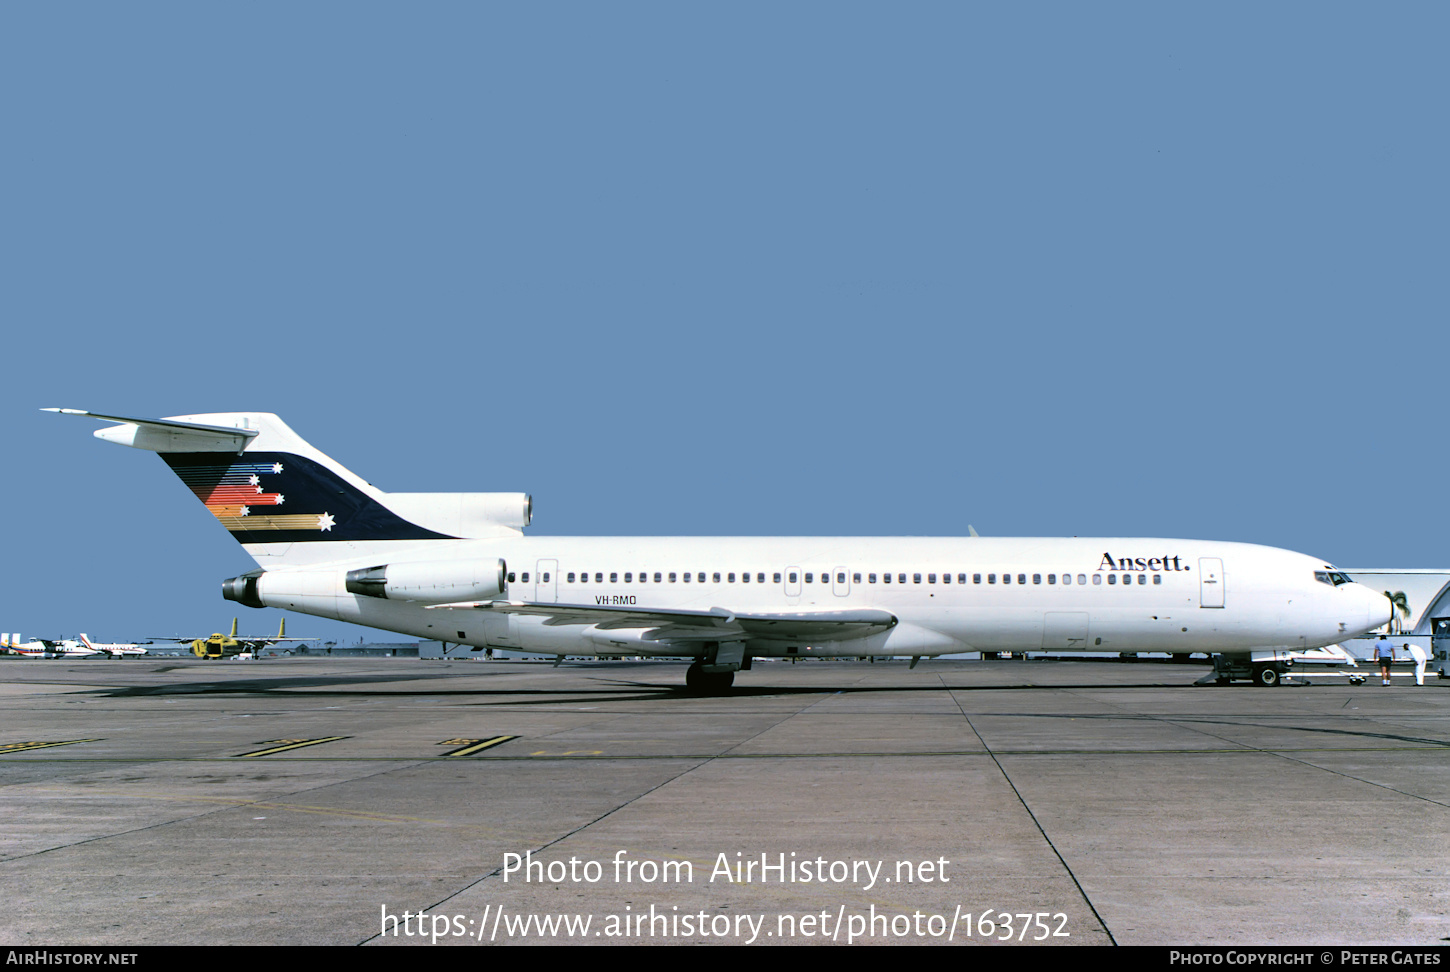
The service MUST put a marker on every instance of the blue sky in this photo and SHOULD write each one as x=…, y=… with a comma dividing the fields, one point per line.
x=810, y=268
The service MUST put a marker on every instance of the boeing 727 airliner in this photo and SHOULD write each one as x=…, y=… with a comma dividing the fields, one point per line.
x=458, y=567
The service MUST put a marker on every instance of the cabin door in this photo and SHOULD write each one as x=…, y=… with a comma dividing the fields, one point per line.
x=546, y=582
x=1210, y=582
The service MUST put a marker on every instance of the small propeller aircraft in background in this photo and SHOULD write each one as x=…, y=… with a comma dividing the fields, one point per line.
x=218, y=645
x=46, y=648
x=112, y=649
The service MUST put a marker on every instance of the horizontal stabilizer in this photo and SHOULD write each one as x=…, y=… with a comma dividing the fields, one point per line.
x=166, y=435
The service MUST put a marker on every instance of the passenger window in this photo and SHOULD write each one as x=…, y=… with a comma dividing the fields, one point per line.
x=717, y=577
x=1097, y=578
x=961, y=578
x=855, y=578
x=810, y=578
x=628, y=578
x=732, y=577
x=1157, y=578
x=687, y=577
x=745, y=578
x=525, y=577
x=672, y=577
x=1006, y=578
x=511, y=577
x=1112, y=578
x=976, y=578
x=657, y=577
x=931, y=578
x=613, y=577
x=760, y=578
x=991, y=578
x=901, y=578
x=1142, y=579
x=546, y=577
x=777, y=578
x=1021, y=578
x=792, y=576
x=841, y=577
x=1052, y=578
x=1037, y=578
x=870, y=578
x=1066, y=578
x=700, y=577
x=886, y=578
x=571, y=577
x=946, y=578
x=598, y=577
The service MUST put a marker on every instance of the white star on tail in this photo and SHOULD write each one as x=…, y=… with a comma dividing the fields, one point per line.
x=325, y=522
x=254, y=480
x=245, y=511
x=276, y=467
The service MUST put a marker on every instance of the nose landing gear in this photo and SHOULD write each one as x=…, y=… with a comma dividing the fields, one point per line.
x=1242, y=668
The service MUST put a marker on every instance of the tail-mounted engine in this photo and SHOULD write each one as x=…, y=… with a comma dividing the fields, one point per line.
x=434, y=582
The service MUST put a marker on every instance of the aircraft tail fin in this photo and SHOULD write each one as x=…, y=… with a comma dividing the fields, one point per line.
x=234, y=629
x=282, y=628
x=290, y=504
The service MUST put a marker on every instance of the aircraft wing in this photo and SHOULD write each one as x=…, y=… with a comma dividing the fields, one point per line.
x=270, y=640
x=241, y=639
x=712, y=625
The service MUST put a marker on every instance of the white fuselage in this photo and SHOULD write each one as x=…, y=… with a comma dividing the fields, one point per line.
x=947, y=594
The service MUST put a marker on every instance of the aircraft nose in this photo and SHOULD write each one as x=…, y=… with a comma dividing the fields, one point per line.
x=1379, y=610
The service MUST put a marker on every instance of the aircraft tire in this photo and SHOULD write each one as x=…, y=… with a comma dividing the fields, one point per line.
x=1267, y=676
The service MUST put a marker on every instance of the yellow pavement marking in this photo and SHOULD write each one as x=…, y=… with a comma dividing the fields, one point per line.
x=474, y=745
x=286, y=744
x=21, y=747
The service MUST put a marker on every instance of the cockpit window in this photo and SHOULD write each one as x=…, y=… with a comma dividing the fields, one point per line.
x=1341, y=578
x=1322, y=576
x=1334, y=578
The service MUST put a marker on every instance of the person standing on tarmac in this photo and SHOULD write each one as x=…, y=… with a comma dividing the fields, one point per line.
x=1384, y=653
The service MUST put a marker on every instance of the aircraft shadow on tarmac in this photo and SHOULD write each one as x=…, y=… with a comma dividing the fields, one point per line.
x=631, y=690
x=342, y=685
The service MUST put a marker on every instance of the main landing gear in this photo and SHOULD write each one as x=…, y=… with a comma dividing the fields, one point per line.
x=701, y=682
